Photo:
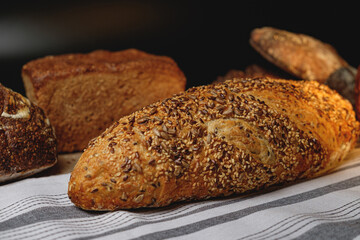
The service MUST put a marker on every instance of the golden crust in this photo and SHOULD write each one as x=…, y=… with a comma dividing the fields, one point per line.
x=221, y=139
x=41, y=70
x=303, y=56
x=82, y=94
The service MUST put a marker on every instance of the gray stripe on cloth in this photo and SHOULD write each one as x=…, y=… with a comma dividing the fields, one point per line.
x=31, y=199
x=333, y=230
x=56, y=213
x=30, y=202
x=44, y=214
x=301, y=220
x=210, y=222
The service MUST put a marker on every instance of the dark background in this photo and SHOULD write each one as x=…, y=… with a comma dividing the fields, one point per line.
x=205, y=38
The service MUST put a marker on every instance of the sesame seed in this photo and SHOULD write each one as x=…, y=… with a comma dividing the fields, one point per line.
x=124, y=197
x=164, y=135
x=137, y=168
x=142, y=120
x=157, y=132
x=139, y=198
x=153, y=111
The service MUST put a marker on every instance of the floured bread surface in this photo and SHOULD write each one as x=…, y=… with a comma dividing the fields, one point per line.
x=216, y=140
x=27, y=139
x=83, y=94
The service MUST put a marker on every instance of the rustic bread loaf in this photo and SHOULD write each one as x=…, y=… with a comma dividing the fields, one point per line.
x=298, y=54
x=306, y=58
x=27, y=139
x=82, y=94
x=221, y=139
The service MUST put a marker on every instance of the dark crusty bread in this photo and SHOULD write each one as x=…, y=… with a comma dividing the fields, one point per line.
x=357, y=93
x=298, y=54
x=251, y=71
x=27, y=139
x=220, y=139
x=82, y=94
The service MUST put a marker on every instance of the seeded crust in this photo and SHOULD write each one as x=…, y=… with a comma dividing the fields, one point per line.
x=303, y=56
x=215, y=140
x=27, y=139
x=83, y=94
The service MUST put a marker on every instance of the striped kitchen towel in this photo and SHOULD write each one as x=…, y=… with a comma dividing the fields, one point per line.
x=327, y=207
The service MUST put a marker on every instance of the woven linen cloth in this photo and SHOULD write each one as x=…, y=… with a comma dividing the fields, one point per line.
x=327, y=207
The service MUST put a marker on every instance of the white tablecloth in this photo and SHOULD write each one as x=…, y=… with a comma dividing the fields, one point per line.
x=324, y=208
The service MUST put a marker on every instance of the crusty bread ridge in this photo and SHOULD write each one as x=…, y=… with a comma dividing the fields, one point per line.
x=83, y=94
x=215, y=140
x=251, y=71
x=27, y=139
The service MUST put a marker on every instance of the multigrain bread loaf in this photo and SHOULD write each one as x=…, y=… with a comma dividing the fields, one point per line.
x=83, y=94
x=27, y=139
x=221, y=139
